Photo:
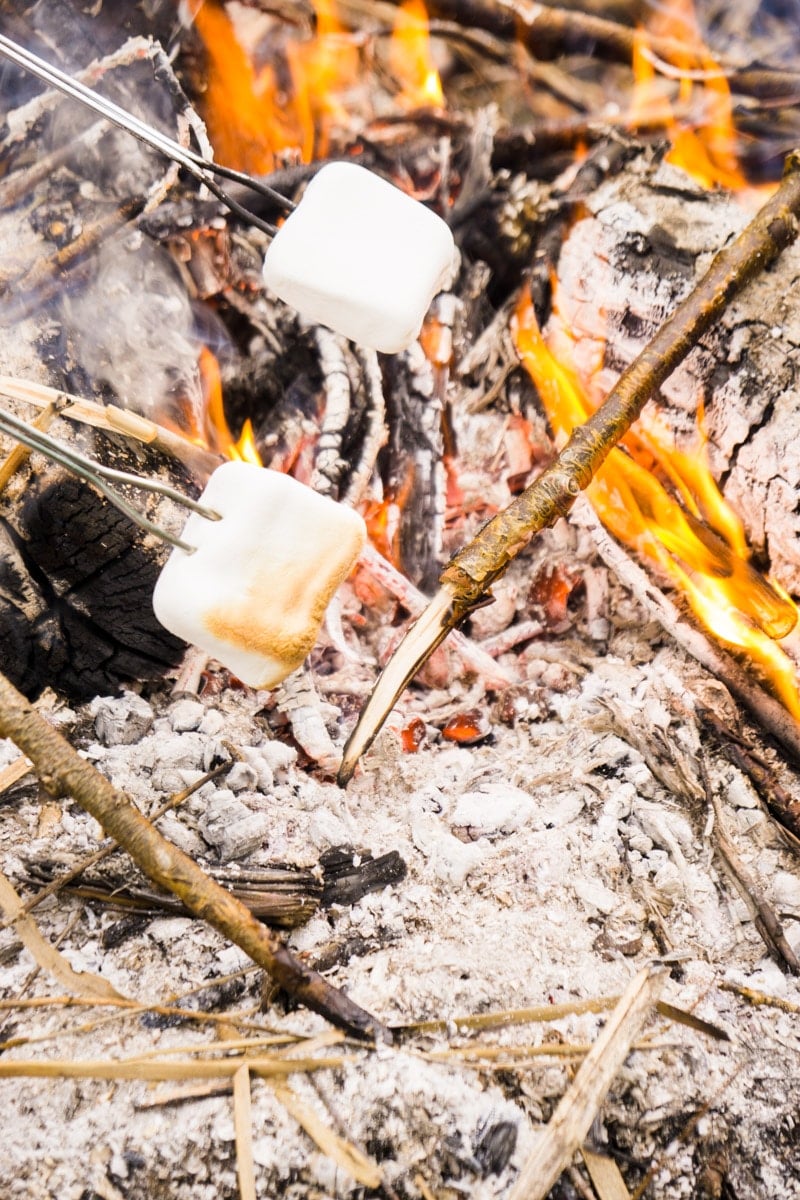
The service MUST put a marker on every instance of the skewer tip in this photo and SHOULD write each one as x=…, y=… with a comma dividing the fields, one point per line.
x=427, y=632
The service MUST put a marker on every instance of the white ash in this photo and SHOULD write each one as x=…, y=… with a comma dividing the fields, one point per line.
x=544, y=865
x=122, y=720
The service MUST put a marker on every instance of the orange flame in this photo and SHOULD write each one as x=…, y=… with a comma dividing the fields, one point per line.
x=708, y=151
x=696, y=539
x=216, y=434
x=410, y=59
x=253, y=114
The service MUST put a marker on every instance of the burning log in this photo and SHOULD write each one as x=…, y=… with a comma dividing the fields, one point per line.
x=473, y=570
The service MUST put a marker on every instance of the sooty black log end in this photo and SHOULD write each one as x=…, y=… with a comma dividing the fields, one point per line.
x=76, y=583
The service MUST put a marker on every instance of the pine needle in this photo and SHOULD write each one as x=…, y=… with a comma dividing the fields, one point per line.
x=46, y=956
x=347, y=1157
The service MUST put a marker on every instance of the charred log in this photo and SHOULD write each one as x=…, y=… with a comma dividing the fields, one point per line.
x=76, y=580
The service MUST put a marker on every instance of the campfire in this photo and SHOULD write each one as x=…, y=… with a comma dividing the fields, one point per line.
x=466, y=335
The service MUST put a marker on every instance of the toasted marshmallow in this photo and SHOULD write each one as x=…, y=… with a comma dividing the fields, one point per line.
x=254, y=592
x=361, y=257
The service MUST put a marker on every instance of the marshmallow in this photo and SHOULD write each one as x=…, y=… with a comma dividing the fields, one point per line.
x=361, y=257
x=254, y=592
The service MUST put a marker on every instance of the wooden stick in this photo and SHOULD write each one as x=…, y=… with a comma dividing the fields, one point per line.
x=470, y=574
x=764, y=917
x=243, y=1127
x=578, y=1107
x=64, y=773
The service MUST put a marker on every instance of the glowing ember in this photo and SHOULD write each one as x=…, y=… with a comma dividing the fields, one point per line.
x=467, y=728
x=410, y=59
x=695, y=538
x=412, y=735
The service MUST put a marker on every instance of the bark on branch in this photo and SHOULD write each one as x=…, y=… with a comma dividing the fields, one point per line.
x=552, y=494
x=471, y=573
x=64, y=773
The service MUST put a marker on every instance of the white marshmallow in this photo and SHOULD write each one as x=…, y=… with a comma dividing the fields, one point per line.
x=254, y=592
x=361, y=257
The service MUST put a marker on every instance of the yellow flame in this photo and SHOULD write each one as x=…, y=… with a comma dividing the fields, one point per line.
x=217, y=435
x=697, y=540
x=410, y=58
x=707, y=148
x=245, y=448
x=252, y=114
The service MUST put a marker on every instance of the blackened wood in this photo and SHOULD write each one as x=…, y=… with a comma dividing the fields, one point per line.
x=280, y=895
x=413, y=467
x=350, y=874
x=76, y=585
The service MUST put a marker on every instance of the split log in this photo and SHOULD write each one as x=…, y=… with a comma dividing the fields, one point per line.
x=644, y=240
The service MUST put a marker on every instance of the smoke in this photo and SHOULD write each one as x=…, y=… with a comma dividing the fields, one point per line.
x=133, y=327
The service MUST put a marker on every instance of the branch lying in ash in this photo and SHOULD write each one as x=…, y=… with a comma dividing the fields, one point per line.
x=573, y=1117
x=764, y=917
x=471, y=573
x=64, y=773
x=684, y=772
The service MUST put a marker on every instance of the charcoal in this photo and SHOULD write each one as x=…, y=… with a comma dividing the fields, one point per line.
x=76, y=579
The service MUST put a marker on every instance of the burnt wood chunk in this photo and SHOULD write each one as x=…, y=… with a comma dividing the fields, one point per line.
x=350, y=874
x=76, y=581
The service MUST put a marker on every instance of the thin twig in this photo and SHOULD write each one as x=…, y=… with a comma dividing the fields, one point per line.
x=98, y=856
x=764, y=917
x=64, y=773
x=577, y=1109
x=145, y=1068
x=45, y=954
x=470, y=574
x=348, y=1158
x=755, y=997
x=243, y=1126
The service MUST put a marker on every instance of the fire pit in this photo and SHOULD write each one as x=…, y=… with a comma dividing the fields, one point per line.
x=545, y=939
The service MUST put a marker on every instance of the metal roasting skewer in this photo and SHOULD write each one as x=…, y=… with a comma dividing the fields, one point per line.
x=203, y=169
x=102, y=478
